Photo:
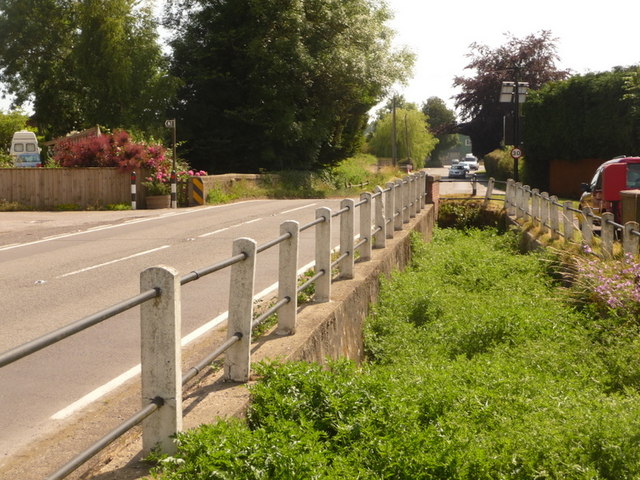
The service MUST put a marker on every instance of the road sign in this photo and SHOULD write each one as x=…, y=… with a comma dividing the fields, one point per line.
x=169, y=123
x=516, y=153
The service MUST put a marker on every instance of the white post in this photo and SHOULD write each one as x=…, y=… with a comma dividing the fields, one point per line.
x=346, y=238
x=379, y=238
x=607, y=233
x=567, y=217
x=489, y=192
x=544, y=212
x=323, y=255
x=518, y=197
x=406, y=197
x=422, y=188
x=161, y=358
x=629, y=240
x=237, y=362
x=554, y=220
x=535, y=206
x=413, y=196
x=526, y=206
x=509, y=198
x=587, y=227
x=288, y=277
x=397, y=218
x=389, y=209
x=365, y=226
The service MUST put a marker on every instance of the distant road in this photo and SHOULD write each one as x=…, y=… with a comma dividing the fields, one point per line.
x=58, y=273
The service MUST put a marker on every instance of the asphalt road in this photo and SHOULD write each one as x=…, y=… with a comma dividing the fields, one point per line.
x=57, y=269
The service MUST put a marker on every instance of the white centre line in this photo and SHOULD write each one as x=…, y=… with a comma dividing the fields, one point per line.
x=298, y=208
x=208, y=234
x=146, y=252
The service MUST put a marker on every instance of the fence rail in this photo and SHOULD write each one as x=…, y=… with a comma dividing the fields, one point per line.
x=381, y=213
x=562, y=220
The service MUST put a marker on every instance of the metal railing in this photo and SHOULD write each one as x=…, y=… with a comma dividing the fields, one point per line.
x=381, y=214
x=572, y=224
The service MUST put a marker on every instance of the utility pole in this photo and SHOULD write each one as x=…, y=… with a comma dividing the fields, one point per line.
x=394, y=144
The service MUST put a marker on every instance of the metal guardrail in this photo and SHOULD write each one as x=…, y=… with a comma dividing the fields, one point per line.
x=394, y=206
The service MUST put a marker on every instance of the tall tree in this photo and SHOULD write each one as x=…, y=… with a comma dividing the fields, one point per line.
x=82, y=63
x=279, y=84
x=414, y=141
x=530, y=59
x=442, y=124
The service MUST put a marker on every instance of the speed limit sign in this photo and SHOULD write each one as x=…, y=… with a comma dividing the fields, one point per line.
x=516, y=153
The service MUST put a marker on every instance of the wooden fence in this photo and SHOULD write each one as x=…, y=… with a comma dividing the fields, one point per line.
x=47, y=188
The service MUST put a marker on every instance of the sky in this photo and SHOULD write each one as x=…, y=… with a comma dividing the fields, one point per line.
x=592, y=36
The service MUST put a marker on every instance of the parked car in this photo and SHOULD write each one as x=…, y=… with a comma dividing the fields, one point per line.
x=24, y=149
x=471, y=161
x=457, y=171
x=602, y=194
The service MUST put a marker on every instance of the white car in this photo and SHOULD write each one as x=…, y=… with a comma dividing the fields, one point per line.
x=471, y=161
x=457, y=171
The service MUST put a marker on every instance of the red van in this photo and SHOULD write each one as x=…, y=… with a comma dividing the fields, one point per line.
x=613, y=176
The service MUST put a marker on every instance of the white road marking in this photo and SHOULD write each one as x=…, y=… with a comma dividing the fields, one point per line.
x=298, y=208
x=220, y=230
x=93, y=267
x=129, y=374
x=123, y=224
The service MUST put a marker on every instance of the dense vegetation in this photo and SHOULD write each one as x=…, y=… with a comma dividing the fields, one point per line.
x=476, y=368
x=588, y=116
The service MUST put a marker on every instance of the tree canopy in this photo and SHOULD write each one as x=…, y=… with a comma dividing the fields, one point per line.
x=530, y=59
x=279, y=84
x=442, y=122
x=83, y=63
x=414, y=140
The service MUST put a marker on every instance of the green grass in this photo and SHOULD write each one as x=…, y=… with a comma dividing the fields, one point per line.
x=476, y=369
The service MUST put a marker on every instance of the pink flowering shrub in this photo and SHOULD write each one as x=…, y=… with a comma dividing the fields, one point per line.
x=609, y=285
x=115, y=150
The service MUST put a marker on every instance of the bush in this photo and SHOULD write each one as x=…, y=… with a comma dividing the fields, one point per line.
x=499, y=164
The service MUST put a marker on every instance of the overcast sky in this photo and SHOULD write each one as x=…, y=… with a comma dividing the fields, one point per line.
x=592, y=36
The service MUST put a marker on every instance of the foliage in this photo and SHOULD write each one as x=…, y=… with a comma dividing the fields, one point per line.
x=279, y=84
x=10, y=123
x=499, y=164
x=111, y=150
x=607, y=286
x=442, y=124
x=158, y=183
x=476, y=370
x=83, y=63
x=530, y=59
x=587, y=116
x=467, y=214
x=414, y=140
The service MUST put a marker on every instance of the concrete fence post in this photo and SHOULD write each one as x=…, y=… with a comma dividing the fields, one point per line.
x=587, y=227
x=389, y=209
x=323, y=255
x=489, y=192
x=567, y=219
x=379, y=238
x=237, y=362
x=397, y=216
x=518, y=199
x=509, y=198
x=161, y=358
x=365, y=226
x=535, y=206
x=346, y=238
x=544, y=212
x=406, y=199
x=413, y=196
x=554, y=220
x=288, y=277
x=526, y=202
x=422, y=188
x=607, y=233
x=629, y=240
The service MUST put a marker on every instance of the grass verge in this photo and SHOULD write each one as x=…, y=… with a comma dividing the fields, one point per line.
x=476, y=369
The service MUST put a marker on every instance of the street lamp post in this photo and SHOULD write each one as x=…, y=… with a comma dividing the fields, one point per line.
x=516, y=93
